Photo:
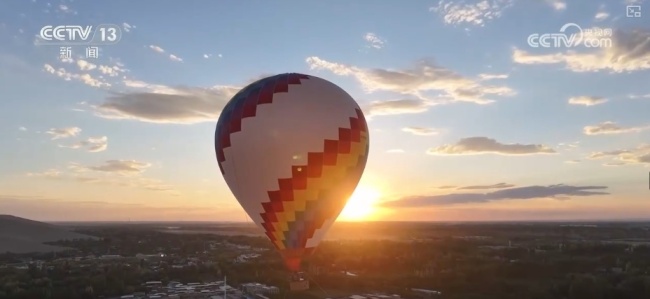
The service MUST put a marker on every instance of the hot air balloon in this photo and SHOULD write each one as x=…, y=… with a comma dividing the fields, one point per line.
x=292, y=148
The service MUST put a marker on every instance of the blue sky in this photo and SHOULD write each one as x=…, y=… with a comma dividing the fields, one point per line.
x=455, y=96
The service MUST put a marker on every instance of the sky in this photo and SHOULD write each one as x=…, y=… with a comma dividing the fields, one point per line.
x=468, y=120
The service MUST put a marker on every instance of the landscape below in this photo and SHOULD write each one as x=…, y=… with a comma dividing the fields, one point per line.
x=539, y=260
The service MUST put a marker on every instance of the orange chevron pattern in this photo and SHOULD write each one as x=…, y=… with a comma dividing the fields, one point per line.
x=318, y=191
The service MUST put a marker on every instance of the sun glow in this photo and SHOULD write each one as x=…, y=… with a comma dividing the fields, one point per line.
x=360, y=206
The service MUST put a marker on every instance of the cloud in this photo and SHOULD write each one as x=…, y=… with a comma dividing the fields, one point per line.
x=156, y=48
x=66, y=9
x=85, y=65
x=127, y=27
x=175, y=58
x=84, y=78
x=93, y=145
x=374, y=41
x=482, y=187
x=149, y=87
x=569, y=146
x=404, y=106
x=425, y=76
x=609, y=127
x=587, y=100
x=520, y=193
x=615, y=153
x=574, y=161
x=447, y=187
x=123, y=173
x=630, y=51
x=111, y=71
x=484, y=145
x=635, y=156
x=22, y=129
x=172, y=57
x=66, y=59
x=421, y=131
x=164, y=104
x=120, y=166
x=49, y=174
x=395, y=151
x=601, y=16
x=558, y=5
x=643, y=96
x=492, y=76
x=473, y=14
x=63, y=132
x=208, y=56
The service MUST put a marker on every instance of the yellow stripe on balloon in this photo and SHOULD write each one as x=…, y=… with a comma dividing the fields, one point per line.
x=330, y=176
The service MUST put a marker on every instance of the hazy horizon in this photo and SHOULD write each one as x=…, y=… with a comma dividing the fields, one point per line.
x=468, y=121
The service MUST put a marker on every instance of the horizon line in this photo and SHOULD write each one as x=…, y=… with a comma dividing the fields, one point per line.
x=368, y=221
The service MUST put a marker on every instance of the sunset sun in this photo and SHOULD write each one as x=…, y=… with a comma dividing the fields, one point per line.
x=361, y=204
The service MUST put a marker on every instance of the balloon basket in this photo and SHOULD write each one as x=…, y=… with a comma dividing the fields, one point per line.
x=298, y=282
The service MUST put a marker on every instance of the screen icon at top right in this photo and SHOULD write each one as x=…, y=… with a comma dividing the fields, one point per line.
x=633, y=11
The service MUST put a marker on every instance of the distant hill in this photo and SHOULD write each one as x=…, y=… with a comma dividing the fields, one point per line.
x=20, y=235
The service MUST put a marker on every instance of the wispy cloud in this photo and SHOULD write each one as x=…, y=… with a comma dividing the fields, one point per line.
x=639, y=96
x=447, y=187
x=478, y=14
x=601, y=16
x=208, y=56
x=392, y=107
x=560, y=192
x=175, y=58
x=62, y=8
x=123, y=173
x=395, y=151
x=92, y=144
x=483, y=187
x=587, y=100
x=84, y=78
x=484, y=145
x=424, y=77
x=492, y=76
x=85, y=65
x=630, y=51
x=22, y=129
x=157, y=48
x=610, y=127
x=120, y=166
x=164, y=104
x=374, y=41
x=50, y=174
x=422, y=131
x=63, y=132
x=127, y=27
x=558, y=5
x=635, y=156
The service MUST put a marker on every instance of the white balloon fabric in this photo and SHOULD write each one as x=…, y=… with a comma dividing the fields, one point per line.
x=292, y=149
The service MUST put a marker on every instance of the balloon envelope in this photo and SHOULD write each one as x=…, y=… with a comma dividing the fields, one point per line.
x=292, y=149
